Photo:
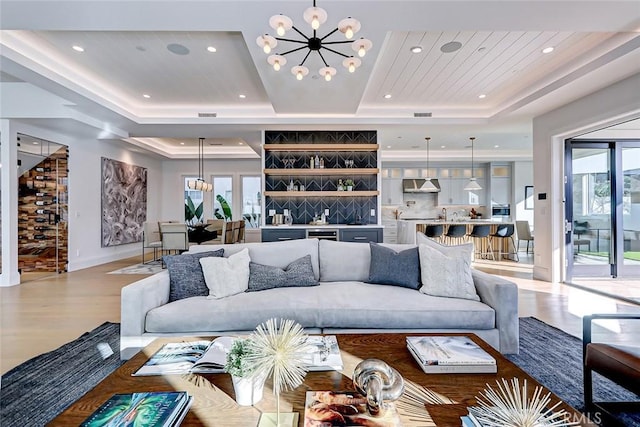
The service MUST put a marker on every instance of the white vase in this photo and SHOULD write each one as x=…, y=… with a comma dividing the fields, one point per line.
x=349, y=187
x=248, y=390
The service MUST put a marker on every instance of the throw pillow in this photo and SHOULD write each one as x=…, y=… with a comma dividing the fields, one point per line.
x=298, y=273
x=446, y=271
x=389, y=267
x=226, y=276
x=185, y=275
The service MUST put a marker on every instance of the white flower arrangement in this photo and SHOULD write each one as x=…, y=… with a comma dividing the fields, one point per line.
x=510, y=405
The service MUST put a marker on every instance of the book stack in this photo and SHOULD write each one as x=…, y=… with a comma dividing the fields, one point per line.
x=152, y=409
x=323, y=353
x=450, y=354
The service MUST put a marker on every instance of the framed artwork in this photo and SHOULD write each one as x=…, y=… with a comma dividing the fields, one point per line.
x=123, y=202
x=528, y=197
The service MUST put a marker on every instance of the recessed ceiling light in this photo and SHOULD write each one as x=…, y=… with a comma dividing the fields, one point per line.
x=416, y=49
x=36, y=143
x=482, y=96
x=212, y=49
x=547, y=49
x=443, y=146
x=240, y=143
x=178, y=49
x=388, y=146
x=182, y=143
x=496, y=146
x=242, y=96
x=387, y=96
x=77, y=48
x=450, y=47
x=146, y=95
x=141, y=48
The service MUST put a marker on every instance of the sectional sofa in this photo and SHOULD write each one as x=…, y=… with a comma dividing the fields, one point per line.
x=343, y=302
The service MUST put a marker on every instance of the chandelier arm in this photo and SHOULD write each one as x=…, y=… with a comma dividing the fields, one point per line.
x=300, y=32
x=332, y=33
x=322, y=57
x=334, y=51
x=305, y=42
x=339, y=42
x=293, y=50
x=306, y=56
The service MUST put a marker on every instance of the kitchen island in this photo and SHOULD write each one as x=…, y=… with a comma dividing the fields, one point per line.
x=407, y=231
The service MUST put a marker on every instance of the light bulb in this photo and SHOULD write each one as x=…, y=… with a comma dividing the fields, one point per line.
x=352, y=67
x=315, y=22
x=280, y=30
x=276, y=66
x=299, y=75
x=327, y=76
x=267, y=48
x=349, y=33
x=361, y=51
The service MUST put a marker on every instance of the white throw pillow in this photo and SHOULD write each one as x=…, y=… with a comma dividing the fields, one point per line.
x=226, y=276
x=446, y=270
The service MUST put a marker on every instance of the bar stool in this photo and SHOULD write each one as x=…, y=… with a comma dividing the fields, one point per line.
x=481, y=232
x=434, y=231
x=505, y=231
x=457, y=232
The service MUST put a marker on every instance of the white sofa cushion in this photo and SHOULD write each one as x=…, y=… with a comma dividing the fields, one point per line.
x=226, y=276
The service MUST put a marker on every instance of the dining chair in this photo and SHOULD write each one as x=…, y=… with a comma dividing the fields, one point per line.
x=175, y=237
x=241, y=231
x=523, y=232
x=228, y=233
x=151, y=240
x=217, y=225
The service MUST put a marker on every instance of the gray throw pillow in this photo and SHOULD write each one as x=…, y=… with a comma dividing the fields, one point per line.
x=185, y=274
x=298, y=273
x=389, y=267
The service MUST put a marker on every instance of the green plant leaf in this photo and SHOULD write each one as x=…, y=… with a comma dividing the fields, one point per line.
x=199, y=210
x=226, y=209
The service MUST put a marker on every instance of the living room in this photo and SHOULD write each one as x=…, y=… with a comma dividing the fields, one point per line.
x=581, y=92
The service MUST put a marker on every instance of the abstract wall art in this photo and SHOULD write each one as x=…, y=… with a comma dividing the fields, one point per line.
x=124, y=202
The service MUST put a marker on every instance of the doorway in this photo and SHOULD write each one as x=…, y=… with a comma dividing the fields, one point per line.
x=42, y=208
x=602, y=210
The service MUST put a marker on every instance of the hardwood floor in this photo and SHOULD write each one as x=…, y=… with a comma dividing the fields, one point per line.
x=40, y=315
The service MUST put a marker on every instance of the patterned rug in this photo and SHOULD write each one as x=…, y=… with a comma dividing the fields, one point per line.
x=151, y=268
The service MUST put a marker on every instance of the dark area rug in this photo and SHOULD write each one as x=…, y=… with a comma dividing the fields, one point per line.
x=33, y=393
x=554, y=359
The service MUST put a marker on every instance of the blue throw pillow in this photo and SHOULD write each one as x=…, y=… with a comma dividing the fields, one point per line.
x=389, y=267
x=185, y=274
x=298, y=273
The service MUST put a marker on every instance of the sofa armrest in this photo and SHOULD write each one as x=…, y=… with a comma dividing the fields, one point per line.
x=502, y=296
x=136, y=300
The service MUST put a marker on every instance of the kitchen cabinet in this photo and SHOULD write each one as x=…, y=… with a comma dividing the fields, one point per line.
x=278, y=235
x=361, y=234
x=452, y=183
x=501, y=184
x=391, y=191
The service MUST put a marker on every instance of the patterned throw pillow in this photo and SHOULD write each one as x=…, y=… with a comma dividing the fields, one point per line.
x=389, y=267
x=298, y=273
x=185, y=274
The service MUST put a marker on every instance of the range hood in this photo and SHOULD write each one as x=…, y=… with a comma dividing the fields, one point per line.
x=413, y=186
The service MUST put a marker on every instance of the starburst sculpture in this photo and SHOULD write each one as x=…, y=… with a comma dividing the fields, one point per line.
x=510, y=405
x=277, y=350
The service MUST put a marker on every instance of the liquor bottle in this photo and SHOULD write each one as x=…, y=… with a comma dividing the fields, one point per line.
x=321, y=162
x=40, y=169
x=311, y=161
x=43, y=211
x=317, y=161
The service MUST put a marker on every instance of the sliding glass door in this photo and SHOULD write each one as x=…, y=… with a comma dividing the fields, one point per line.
x=602, y=210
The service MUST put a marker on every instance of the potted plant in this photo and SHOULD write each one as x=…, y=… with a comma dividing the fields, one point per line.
x=349, y=184
x=248, y=387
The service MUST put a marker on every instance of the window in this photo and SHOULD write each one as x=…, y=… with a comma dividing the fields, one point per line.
x=222, y=187
x=196, y=197
x=251, y=201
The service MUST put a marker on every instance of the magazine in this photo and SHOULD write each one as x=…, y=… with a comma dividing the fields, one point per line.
x=345, y=408
x=454, y=369
x=324, y=353
x=449, y=350
x=184, y=357
x=145, y=408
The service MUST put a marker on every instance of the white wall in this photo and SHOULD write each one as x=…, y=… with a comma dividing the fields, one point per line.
x=174, y=171
x=522, y=174
x=613, y=104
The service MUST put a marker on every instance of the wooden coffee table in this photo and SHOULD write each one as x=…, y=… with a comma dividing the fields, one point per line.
x=429, y=399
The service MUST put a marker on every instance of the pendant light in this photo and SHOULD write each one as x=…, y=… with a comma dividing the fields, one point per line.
x=428, y=185
x=199, y=183
x=472, y=185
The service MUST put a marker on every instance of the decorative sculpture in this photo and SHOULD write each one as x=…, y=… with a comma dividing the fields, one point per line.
x=379, y=382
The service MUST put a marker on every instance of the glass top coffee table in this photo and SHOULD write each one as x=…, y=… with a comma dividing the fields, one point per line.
x=428, y=400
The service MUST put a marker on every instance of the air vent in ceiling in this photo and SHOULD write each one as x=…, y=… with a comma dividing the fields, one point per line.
x=207, y=114
x=216, y=143
x=422, y=114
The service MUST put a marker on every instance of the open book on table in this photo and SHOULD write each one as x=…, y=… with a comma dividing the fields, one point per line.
x=191, y=356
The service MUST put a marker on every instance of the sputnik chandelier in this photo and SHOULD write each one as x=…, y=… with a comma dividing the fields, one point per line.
x=315, y=16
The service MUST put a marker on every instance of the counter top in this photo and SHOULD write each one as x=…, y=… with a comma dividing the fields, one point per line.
x=309, y=226
x=465, y=221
